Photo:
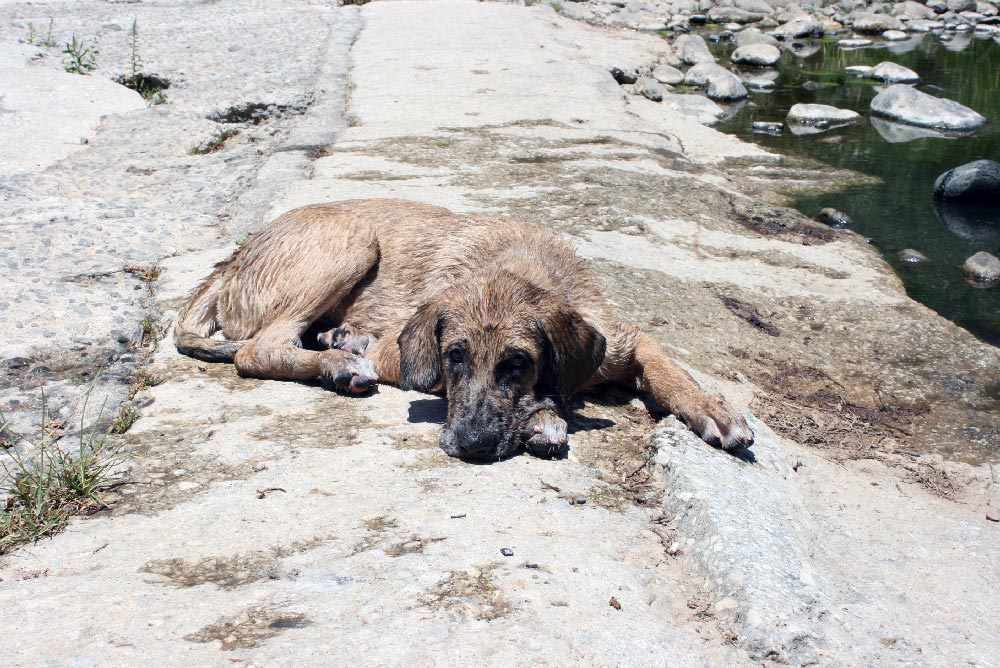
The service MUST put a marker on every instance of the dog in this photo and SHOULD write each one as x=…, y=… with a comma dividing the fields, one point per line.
x=501, y=316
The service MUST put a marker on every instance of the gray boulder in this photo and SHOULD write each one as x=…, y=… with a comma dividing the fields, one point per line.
x=755, y=6
x=650, y=89
x=913, y=10
x=760, y=55
x=726, y=88
x=667, y=74
x=752, y=35
x=732, y=15
x=854, y=43
x=982, y=268
x=804, y=25
x=976, y=182
x=877, y=23
x=700, y=74
x=692, y=49
x=890, y=72
x=905, y=104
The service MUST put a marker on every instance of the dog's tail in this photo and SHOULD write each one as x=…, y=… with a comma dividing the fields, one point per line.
x=197, y=322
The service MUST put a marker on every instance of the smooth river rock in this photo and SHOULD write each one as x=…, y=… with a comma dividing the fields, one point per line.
x=760, y=55
x=890, y=72
x=982, y=267
x=810, y=114
x=877, y=23
x=753, y=35
x=666, y=74
x=692, y=49
x=975, y=182
x=905, y=104
x=800, y=26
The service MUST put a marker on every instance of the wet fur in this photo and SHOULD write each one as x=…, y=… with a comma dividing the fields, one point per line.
x=407, y=285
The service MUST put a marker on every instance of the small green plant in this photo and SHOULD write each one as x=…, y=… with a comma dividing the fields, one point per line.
x=133, y=45
x=47, y=486
x=35, y=38
x=81, y=56
x=556, y=6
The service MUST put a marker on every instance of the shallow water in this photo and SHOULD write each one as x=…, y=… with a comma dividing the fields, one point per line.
x=898, y=213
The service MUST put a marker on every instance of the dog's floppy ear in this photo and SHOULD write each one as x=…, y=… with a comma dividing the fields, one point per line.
x=574, y=351
x=420, y=347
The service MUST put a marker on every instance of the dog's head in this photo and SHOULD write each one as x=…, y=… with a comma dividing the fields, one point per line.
x=500, y=347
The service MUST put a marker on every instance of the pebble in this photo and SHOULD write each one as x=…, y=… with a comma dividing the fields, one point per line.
x=834, y=218
x=506, y=551
x=911, y=256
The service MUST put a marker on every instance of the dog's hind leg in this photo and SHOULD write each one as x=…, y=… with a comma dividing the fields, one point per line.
x=314, y=285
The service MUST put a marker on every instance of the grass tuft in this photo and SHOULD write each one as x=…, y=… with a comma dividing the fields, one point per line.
x=47, y=486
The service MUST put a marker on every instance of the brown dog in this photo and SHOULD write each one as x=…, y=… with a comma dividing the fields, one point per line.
x=501, y=316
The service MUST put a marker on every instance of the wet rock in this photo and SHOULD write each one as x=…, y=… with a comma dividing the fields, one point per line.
x=905, y=104
x=767, y=127
x=854, y=43
x=911, y=256
x=692, y=49
x=974, y=182
x=876, y=24
x=894, y=36
x=890, y=72
x=811, y=114
x=700, y=74
x=801, y=26
x=834, y=218
x=760, y=55
x=666, y=74
x=983, y=268
x=753, y=35
x=812, y=85
x=650, y=89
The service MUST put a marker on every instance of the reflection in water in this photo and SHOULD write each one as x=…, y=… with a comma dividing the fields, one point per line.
x=899, y=213
x=898, y=133
x=969, y=221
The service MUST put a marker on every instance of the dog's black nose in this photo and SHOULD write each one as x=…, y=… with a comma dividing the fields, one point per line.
x=478, y=444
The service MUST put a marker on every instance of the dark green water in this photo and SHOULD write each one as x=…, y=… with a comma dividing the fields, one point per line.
x=899, y=213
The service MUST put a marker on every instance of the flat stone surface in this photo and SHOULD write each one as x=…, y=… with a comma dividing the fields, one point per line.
x=271, y=523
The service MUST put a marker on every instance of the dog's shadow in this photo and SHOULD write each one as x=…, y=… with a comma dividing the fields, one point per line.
x=428, y=411
x=434, y=410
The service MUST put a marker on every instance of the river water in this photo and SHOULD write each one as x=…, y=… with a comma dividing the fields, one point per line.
x=899, y=212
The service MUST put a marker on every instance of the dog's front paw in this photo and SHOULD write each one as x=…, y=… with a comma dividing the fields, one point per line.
x=717, y=424
x=546, y=435
x=348, y=339
x=348, y=373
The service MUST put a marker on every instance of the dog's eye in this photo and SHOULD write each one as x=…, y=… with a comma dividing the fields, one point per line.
x=520, y=362
x=456, y=355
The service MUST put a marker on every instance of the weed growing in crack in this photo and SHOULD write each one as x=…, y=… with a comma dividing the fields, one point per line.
x=128, y=413
x=81, y=56
x=149, y=86
x=46, y=486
